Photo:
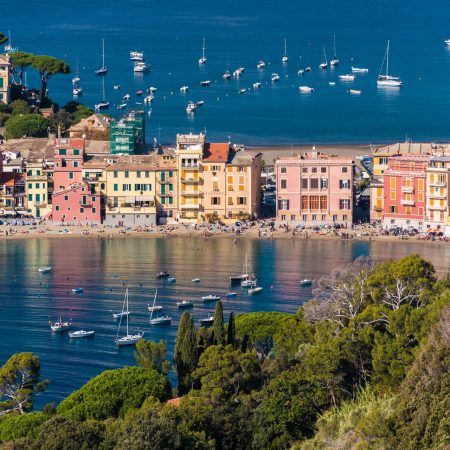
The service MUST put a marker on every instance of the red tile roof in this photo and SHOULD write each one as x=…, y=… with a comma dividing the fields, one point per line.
x=8, y=178
x=216, y=152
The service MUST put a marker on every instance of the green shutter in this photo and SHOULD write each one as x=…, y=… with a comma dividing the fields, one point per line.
x=116, y=187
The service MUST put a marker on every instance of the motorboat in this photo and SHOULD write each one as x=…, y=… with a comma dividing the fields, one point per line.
x=141, y=67
x=231, y=294
x=126, y=97
x=261, y=65
x=155, y=308
x=256, y=85
x=171, y=280
x=447, y=42
x=128, y=339
x=78, y=290
x=305, y=89
x=184, y=89
x=202, y=59
x=191, y=108
x=255, y=290
x=148, y=99
x=275, y=77
x=248, y=283
x=308, y=69
x=388, y=80
x=45, y=269
x=207, y=321
x=60, y=325
x=359, y=70
x=152, y=89
x=199, y=103
x=121, y=106
x=121, y=314
x=332, y=83
x=81, y=334
x=77, y=90
x=301, y=72
x=242, y=91
x=347, y=77
x=355, y=91
x=306, y=282
x=103, y=69
x=210, y=298
x=116, y=87
x=185, y=304
x=139, y=92
x=226, y=75
x=196, y=280
x=137, y=56
x=102, y=105
x=163, y=320
x=205, y=83
x=162, y=274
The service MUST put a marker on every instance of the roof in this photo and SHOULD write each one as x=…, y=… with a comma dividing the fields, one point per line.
x=242, y=157
x=9, y=178
x=31, y=149
x=93, y=122
x=216, y=152
x=137, y=162
x=402, y=148
x=315, y=157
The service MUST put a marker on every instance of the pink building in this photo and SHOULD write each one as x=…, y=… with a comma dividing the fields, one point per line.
x=74, y=199
x=314, y=188
x=405, y=191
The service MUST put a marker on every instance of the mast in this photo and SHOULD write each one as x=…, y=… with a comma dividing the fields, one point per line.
x=334, y=45
x=128, y=312
x=325, y=55
x=103, y=53
x=78, y=73
x=203, y=49
x=387, y=59
x=285, y=53
x=153, y=307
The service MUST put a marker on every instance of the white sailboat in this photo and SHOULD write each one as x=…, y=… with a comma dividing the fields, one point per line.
x=128, y=339
x=103, y=70
x=202, y=60
x=335, y=61
x=103, y=104
x=244, y=275
x=9, y=48
x=59, y=325
x=76, y=78
x=285, y=58
x=388, y=80
x=324, y=64
x=160, y=320
x=249, y=282
x=255, y=289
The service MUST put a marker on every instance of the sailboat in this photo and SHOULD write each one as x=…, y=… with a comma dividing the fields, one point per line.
x=60, y=325
x=387, y=80
x=9, y=48
x=76, y=78
x=324, y=64
x=244, y=275
x=103, y=104
x=285, y=58
x=128, y=339
x=103, y=70
x=160, y=320
x=247, y=283
x=202, y=60
x=335, y=61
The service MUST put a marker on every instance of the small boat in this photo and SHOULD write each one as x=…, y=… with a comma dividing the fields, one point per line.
x=185, y=304
x=136, y=56
x=139, y=93
x=231, y=294
x=359, y=69
x=306, y=282
x=241, y=69
x=355, y=91
x=128, y=339
x=226, y=75
x=162, y=274
x=152, y=89
x=148, y=99
x=205, y=83
x=9, y=48
x=202, y=60
x=171, y=280
x=324, y=64
x=207, y=321
x=256, y=85
x=242, y=91
x=102, y=105
x=347, y=77
x=275, y=77
x=59, y=325
x=447, y=42
x=161, y=320
x=81, y=334
x=199, y=103
x=335, y=61
x=77, y=290
x=116, y=87
x=332, y=83
x=305, y=89
x=121, y=106
x=154, y=308
x=46, y=269
x=388, y=80
x=301, y=72
x=308, y=69
x=211, y=298
x=126, y=97
x=190, y=108
x=121, y=314
x=255, y=290
x=236, y=74
x=248, y=283
x=76, y=79
x=184, y=89
x=141, y=67
x=103, y=70
x=261, y=65
x=196, y=280
x=77, y=90
x=284, y=58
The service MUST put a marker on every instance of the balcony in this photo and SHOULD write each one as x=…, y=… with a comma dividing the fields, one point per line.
x=437, y=183
x=86, y=205
x=437, y=207
x=437, y=196
x=407, y=202
x=40, y=204
x=378, y=208
x=190, y=180
x=190, y=206
x=190, y=193
x=91, y=179
x=190, y=166
x=408, y=189
x=165, y=181
x=37, y=177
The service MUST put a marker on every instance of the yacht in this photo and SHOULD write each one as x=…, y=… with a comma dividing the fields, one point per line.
x=199, y=103
x=255, y=290
x=148, y=99
x=355, y=91
x=244, y=275
x=76, y=79
x=335, y=61
x=185, y=304
x=205, y=83
x=242, y=91
x=137, y=56
x=77, y=90
x=128, y=339
x=284, y=58
x=77, y=290
x=81, y=334
x=160, y=320
x=248, y=283
x=207, y=321
x=102, y=105
x=46, y=269
x=256, y=85
x=103, y=70
x=190, y=108
x=152, y=90
x=447, y=41
x=121, y=106
x=359, y=69
x=306, y=282
x=275, y=77
x=59, y=325
x=202, y=60
x=226, y=75
x=308, y=69
x=210, y=298
x=126, y=97
x=184, y=89
x=116, y=87
x=347, y=77
x=231, y=294
x=305, y=89
x=9, y=48
x=261, y=65
x=323, y=65
x=196, y=280
x=388, y=80
x=141, y=67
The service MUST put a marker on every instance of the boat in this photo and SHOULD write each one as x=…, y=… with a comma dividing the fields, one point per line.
x=141, y=67
x=305, y=89
x=81, y=334
x=306, y=282
x=78, y=290
x=226, y=75
x=126, y=97
x=335, y=61
x=199, y=103
x=447, y=42
x=284, y=58
x=207, y=321
x=244, y=275
x=9, y=48
x=162, y=274
x=324, y=64
x=59, y=325
x=190, y=108
x=332, y=83
x=76, y=79
x=355, y=91
x=77, y=90
x=184, y=89
x=248, y=283
x=256, y=289
x=308, y=69
x=236, y=74
x=275, y=77
x=359, y=69
x=301, y=72
x=205, y=83
x=171, y=280
x=185, y=304
x=121, y=314
x=104, y=104
x=196, y=280
x=45, y=269
x=261, y=65
x=241, y=69
x=160, y=320
x=103, y=70
x=139, y=92
x=256, y=85
x=347, y=77
x=210, y=298
x=242, y=91
x=202, y=60
x=152, y=90
x=121, y=106
x=231, y=294
x=148, y=99
x=136, y=56
x=128, y=339
x=116, y=87
x=388, y=80
x=154, y=308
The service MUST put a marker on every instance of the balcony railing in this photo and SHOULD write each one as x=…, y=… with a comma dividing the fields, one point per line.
x=165, y=180
x=86, y=205
x=190, y=166
x=191, y=206
x=408, y=189
x=39, y=204
x=438, y=196
x=190, y=180
x=437, y=207
x=37, y=177
x=437, y=183
x=407, y=202
x=190, y=193
x=91, y=179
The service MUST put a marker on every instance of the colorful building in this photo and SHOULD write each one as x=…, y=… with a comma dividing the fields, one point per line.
x=127, y=133
x=74, y=199
x=93, y=128
x=39, y=187
x=5, y=63
x=405, y=191
x=314, y=188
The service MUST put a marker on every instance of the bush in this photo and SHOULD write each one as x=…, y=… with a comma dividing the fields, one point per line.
x=15, y=426
x=113, y=393
x=20, y=107
x=30, y=125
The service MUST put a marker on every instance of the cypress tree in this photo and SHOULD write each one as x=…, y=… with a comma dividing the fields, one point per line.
x=185, y=354
x=218, y=329
x=231, y=331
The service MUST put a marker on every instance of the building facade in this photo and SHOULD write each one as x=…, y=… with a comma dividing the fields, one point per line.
x=39, y=188
x=128, y=133
x=314, y=189
x=5, y=63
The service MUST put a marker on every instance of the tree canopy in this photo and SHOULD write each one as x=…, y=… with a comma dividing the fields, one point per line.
x=47, y=66
x=29, y=125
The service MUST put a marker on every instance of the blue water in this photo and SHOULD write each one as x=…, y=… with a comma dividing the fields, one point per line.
x=29, y=299
x=170, y=34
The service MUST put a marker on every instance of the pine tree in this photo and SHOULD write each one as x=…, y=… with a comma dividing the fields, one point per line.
x=219, y=331
x=185, y=354
x=231, y=331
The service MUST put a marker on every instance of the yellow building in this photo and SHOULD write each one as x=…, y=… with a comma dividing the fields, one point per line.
x=5, y=63
x=39, y=188
x=166, y=188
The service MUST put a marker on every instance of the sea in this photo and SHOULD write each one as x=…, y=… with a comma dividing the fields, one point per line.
x=239, y=34
x=104, y=268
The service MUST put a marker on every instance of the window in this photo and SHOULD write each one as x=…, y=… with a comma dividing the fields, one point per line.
x=334, y=217
x=30, y=185
x=393, y=209
x=29, y=173
x=163, y=200
x=324, y=183
x=126, y=187
x=170, y=200
x=344, y=169
x=344, y=184
x=76, y=152
x=283, y=205
x=323, y=202
x=305, y=202
x=127, y=174
x=138, y=174
x=215, y=168
x=304, y=217
x=230, y=214
x=215, y=201
x=241, y=169
x=314, y=183
x=344, y=203
x=146, y=187
x=314, y=202
x=66, y=198
x=62, y=151
x=314, y=217
x=116, y=187
x=170, y=173
x=215, y=185
x=147, y=174
x=283, y=170
x=314, y=170
x=323, y=170
x=230, y=201
x=57, y=208
x=304, y=183
x=304, y=170
x=344, y=217
x=283, y=184
x=115, y=174
x=137, y=187
x=75, y=164
x=292, y=216
x=30, y=197
x=241, y=200
x=283, y=217
x=170, y=187
x=324, y=217
x=81, y=210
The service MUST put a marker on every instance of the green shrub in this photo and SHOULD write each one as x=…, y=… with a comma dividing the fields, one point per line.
x=30, y=125
x=15, y=426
